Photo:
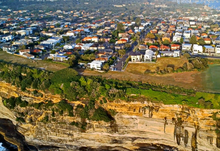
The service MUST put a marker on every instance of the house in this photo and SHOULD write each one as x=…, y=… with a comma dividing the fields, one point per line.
x=197, y=49
x=96, y=64
x=8, y=48
x=142, y=47
x=66, y=47
x=23, y=42
x=207, y=40
x=175, y=47
x=27, y=55
x=177, y=38
x=187, y=34
x=60, y=58
x=36, y=51
x=136, y=56
x=217, y=49
x=154, y=31
x=164, y=47
x=204, y=35
x=175, y=53
x=166, y=37
x=186, y=47
x=148, y=55
x=148, y=40
x=71, y=34
x=153, y=47
x=22, y=52
x=209, y=49
x=122, y=41
x=119, y=46
x=94, y=47
x=8, y=38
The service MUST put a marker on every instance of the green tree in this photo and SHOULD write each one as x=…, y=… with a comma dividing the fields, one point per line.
x=193, y=40
x=201, y=41
x=166, y=42
x=187, y=55
x=78, y=41
x=66, y=38
x=138, y=21
x=106, y=66
x=120, y=27
x=121, y=52
x=150, y=35
x=52, y=51
x=127, y=45
x=181, y=40
x=72, y=60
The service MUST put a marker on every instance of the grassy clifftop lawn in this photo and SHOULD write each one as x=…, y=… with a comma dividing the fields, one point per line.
x=73, y=87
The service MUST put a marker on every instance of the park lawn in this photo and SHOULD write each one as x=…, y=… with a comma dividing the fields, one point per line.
x=47, y=65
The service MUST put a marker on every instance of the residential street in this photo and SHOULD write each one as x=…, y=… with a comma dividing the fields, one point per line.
x=119, y=65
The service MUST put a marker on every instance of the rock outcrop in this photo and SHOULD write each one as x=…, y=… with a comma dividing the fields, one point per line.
x=138, y=125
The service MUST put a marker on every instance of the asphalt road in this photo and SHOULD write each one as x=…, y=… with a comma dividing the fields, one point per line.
x=208, y=57
x=121, y=62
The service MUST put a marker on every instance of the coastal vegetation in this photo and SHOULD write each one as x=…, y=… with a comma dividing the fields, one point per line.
x=73, y=87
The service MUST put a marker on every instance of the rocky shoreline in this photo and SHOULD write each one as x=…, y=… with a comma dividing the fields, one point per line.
x=140, y=125
x=10, y=134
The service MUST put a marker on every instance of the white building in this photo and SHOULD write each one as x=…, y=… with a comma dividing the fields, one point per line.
x=186, y=47
x=217, y=49
x=187, y=34
x=68, y=47
x=8, y=38
x=96, y=65
x=197, y=49
x=148, y=55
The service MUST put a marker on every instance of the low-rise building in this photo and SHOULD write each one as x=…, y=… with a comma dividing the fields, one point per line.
x=96, y=64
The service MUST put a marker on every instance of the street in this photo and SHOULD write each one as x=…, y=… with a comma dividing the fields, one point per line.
x=119, y=65
x=121, y=62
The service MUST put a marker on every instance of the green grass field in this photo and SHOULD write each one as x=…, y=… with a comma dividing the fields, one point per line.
x=168, y=98
x=47, y=65
x=211, y=78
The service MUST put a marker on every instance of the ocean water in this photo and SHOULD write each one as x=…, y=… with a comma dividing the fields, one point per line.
x=215, y=4
x=2, y=148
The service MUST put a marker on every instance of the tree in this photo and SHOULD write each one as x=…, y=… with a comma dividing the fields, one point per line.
x=127, y=45
x=120, y=27
x=58, y=44
x=187, y=55
x=193, y=40
x=138, y=21
x=121, y=52
x=150, y=35
x=66, y=38
x=78, y=41
x=106, y=67
x=57, y=25
x=201, y=41
x=166, y=42
x=52, y=51
x=22, y=47
x=181, y=40
x=72, y=60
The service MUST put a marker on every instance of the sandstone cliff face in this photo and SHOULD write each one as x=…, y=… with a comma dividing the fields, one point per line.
x=137, y=125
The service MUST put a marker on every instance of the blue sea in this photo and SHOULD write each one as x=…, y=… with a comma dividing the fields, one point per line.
x=215, y=4
x=2, y=148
